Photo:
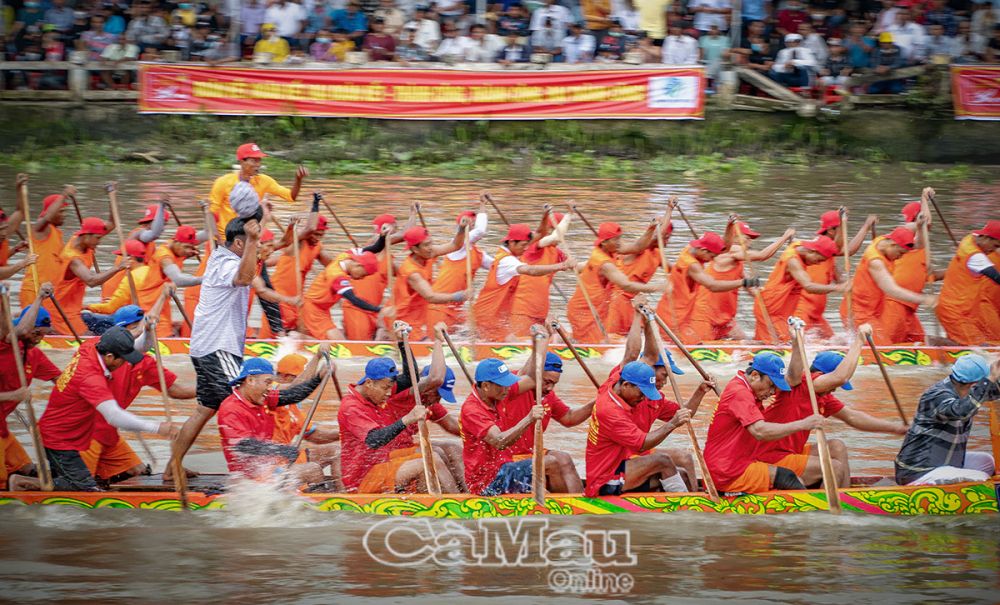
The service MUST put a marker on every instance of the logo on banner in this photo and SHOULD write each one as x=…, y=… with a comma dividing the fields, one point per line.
x=673, y=91
x=168, y=87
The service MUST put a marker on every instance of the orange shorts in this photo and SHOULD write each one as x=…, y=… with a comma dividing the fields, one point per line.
x=755, y=479
x=316, y=321
x=381, y=479
x=106, y=462
x=796, y=462
x=358, y=324
x=12, y=458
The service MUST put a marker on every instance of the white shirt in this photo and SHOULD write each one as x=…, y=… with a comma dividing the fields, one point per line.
x=428, y=33
x=628, y=17
x=482, y=51
x=220, y=319
x=680, y=50
x=545, y=39
x=910, y=39
x=288, y=18
x=560, y=15
x=799, y=57
x=978, y=263
x=507, y=268
x=476, y=233
x=704, y=21
x=817, y=45
x=452, y=47
x=578, y=49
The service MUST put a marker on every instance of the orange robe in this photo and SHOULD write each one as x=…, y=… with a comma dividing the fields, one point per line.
x=283, y=278
x=108, y=288
x=147, y=289
x=642, y=269
x=585, y=329
x=358, y=323
x=531, y=297
x=192, y=293
x=70, y=290
x=810, y=307
x=714, y=312
x=49, y=267
x=411, y=307
x=900, y=318
x=990, y=307
x=493, y=304
x=451, y=278
x=681, y=301
x=322, y=294
x=961, y=309
x=867, y=299
x=782, y=295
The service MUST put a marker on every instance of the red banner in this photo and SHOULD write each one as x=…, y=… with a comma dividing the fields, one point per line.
x=975, y=90
x=663, y=93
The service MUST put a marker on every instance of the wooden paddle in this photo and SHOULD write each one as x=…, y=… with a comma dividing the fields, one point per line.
x=943, y=221
x=44, y=476
x=713, y=493
x=489, y=198
x=758, y=297
x=666, y=269
x=426, y=451
x=298, y=271
x=555, y=325
x=826, y=463
x=112, y=189
x=458, y=356
x=209, y=226
x=579, y=281
x=885, y=376
x=79, y=217
x=847, y=267
x=333, y=213
x=26, y=211
x=177, y=220
x=330, y=370
x=538, y=450
x=180, y=307
x=65, y=319
x=680, y=346
x=177, y=462
x=468, y=280
x=583, y=218
x=684, y=217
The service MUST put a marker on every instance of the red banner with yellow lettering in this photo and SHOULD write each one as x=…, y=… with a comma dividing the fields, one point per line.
x=451, y=94
x=975, y=91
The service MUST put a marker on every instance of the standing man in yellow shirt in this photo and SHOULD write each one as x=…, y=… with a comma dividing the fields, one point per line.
x=249, y=155
x=653, y=18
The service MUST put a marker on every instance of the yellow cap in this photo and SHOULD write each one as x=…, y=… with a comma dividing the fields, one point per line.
x=885, y=37
x=292, y=364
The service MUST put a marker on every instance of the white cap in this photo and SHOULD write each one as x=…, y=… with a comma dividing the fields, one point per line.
x=244, y=199
x=792, y=38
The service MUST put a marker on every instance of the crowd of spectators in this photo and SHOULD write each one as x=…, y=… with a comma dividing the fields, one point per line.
x=793, y=42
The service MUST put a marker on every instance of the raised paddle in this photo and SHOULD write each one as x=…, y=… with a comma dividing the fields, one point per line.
x=489, y=199
x=330, y=369
x=65, y=319
x=847, y=266
x=333, y=213
x=420, y=215
x=583, y=218
x=885, y=376
x=180, y=307
x=538, y=339
x=662, y=249
x=826, y=464
x=677, y=342
x=180, y=475
x=555, y=325
x=22, y=182
x=458, y=356
x=112, y=189
x=44, y=476
x=468, y=280
x=939, y=213
x=426, y=451
x=735, y=219
x=79, y=217
x=298, y=269
x=179, y=225
x=684, y=217
x=713, y=493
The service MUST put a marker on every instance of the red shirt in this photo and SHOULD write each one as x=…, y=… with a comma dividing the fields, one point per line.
x=358, y=417
x=126, y=382
x=36, y=365
x=730, y=448
x=513, y=409
x=70, y=417
x=617, y=431
x=791, y=406
x=482, y=461
x=239, y=419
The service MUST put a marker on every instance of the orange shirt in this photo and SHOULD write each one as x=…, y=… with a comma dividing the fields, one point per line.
x=49, y=264
x=719, y=307
x=358, y=323
x=780, y=295
x=684, y=292
x=585, y=328
x=70, y=289
x=109, y=287
x=910, y=272
x=283, y=274
x=867, y=297
x=640, y=269
x=531, y=297
x=325, y=290
x=146, y=288
x=192, y=293
x=411, y=307
x=451, y=274
x=493, y=303
x=962, y=290
x=155, y=280
x=287, y=423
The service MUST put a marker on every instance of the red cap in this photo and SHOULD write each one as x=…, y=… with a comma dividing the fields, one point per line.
x=92, y=226
x=321, y=223
x=249, y=150
x=902, y=236
x=266, y=235
x=186, y=235
x=822, y=244
x=747, y=231
x=367, y=260
x=992, y=229
x=414, y=236
x=710, y=241
x=828, y=220
x=606, y=231
x=151, y=213
x=384, y=219
x=910, y=211
x=518, y=232
x=133, y=247
x=52, y=199
x=468, y=213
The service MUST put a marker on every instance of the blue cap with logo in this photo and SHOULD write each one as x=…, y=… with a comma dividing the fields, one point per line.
x=553, y=363
x=495, y=371
x=773, y=367
x=254, y=366
x=970, y=368
x=826, y=362
x=670, y=358
x=42, y=320
x=642, y=376
x=379, y=368
x=129, y=314
x=447, y=389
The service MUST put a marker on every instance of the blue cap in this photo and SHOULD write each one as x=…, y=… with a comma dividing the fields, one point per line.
x=379, y=368
x=826, y=362
x=773, y=367
x=129, y=314
x=642, y=376
x=254, y=366
x=447, y=389
x=670, y=358
x=495, y=371
x=970, y=368
x=553, y=363
x=43, y=320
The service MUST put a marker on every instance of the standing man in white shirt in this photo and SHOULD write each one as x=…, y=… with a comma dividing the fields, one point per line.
x=428, y=33
x=578, y=47
x=910, y=37
x=560, y=16
x=680, y=48
x=711, y=12
x=289, y=18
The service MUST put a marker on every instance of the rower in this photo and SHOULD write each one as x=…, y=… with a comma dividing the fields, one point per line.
x=249, y=155
x=288, y=420
x=272, y=325
x=32, y=326
x=935, y=449
x=639, y=268
x=47, y=240
x=599, y=271
x=966, y=313
x=739, y=426
x=789, y=281
x=378, y=418
x=149, y=228
x=167, y=265
x=78, y=274
x=873, y=283
x=414, y=290
x=714, y=314
x=451, y=276
x=97, y=313
x=246, y=423
x=10, y=270
x=830, y=370
x=82, y=392
x=812, y=305
x=531, y=296
x=358, y=323
x=492, y=307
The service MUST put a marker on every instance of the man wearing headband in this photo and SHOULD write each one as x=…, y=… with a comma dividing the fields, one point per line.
x=934, y=451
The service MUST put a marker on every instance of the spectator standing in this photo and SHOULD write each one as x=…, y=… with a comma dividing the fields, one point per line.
x=754, y=10
x=985, y=15
x=558, y=16
x=351, y=20
x=887, y=16
x=814, y=42
x=392, y=16
x=679, y=48
x=187, y=14
x=708, y=13
x=859, y=47
x=992, y=54
x=790, y=17
x=794, y=63
x=547, y=39
x=450, y=9
x=910, y=37
x=940, y=14
x=886, y=58
x=714, y=48
x=969, y=47
x=253, y=16
x=145, y=28
x=428, y=31
x=60, y=16
x=288, y=17
x=578, y=46
x=379, y=45
x=653, y=18
x=596, y=14
x=627, y=15
x=30, y=14
x=514, y=20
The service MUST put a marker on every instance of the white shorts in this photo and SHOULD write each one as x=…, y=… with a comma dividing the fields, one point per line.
x=978, y=467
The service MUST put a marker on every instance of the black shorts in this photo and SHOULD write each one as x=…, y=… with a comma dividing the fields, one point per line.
x=213, y=373
x=69, y=473
x=614, y=489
